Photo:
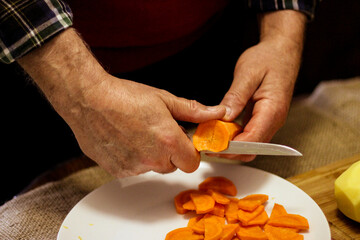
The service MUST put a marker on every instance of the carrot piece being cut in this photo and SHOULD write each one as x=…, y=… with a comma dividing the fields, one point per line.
x=184, y=233
x=251, y=233
x=203, y=202
x=219, y=184
x=214, y=135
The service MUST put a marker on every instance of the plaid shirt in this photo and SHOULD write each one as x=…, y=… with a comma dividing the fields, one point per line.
x=27, y=24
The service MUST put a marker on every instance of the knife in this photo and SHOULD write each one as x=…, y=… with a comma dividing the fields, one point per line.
x=258, y=148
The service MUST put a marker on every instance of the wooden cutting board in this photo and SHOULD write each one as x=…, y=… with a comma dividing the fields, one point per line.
x=319, y=184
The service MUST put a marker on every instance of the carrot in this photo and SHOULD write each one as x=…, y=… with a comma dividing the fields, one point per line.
x=278, y=210
x=246, y=217
x=218, y=197
x=213, y=228
x=290, y=221
x=251, y=233
x=229, y=231
x=182, y=198
x=214, y=135
x=197, y=224
x=219, y=210
x=189, y=205
x=231, y=211
x=279, y=233
x=185, y=233
x=219, y=184
x=203, y=202
x=251, y=202
x=260, y=220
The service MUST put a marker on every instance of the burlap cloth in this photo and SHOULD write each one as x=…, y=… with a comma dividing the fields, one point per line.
x=324, y=126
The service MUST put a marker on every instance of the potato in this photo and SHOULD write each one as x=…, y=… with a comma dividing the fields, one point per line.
x=347, y=192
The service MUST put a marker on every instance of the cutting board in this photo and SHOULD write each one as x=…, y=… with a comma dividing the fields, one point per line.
x=319, y=184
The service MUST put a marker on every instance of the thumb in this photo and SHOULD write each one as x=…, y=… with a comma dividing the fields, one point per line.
x=192, y=111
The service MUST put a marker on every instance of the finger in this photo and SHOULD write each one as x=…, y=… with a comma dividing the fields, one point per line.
x=192, y=111
x=240, y=92
x=180, y=151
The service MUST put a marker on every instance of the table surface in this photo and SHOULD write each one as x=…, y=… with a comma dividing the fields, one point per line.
x=317, y=183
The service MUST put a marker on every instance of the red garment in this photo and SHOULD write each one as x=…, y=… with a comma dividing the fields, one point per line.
x=129, y=34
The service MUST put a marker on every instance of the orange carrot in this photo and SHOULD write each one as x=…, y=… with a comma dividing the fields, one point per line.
x=182, y=198
x=259, y=220
x=213, y=228
x=203, y=202
x=251, y=202
x=197, y=224
x=214, y=135
x=290, y=221
x=219, y=184
x=231, y=211
x=218, y=197
x=278, y=210
x=189, y=205
x=246, y=217
x=229, y=231
x=279, y=233
x=219, y=210
x=185, y=233
x=251, y=233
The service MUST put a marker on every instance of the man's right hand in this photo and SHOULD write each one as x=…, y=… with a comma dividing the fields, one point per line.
x=126, y=127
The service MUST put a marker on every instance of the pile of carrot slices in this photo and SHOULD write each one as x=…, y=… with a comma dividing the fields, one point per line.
x=219, y=215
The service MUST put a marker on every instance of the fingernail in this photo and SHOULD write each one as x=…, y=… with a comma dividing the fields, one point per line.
x=228, y=112
x=213, y=108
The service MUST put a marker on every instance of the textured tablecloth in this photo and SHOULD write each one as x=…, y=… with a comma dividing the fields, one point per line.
x=324, y=126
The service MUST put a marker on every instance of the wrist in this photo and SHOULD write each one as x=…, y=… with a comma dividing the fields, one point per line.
x=285, y=28
x=63, y=69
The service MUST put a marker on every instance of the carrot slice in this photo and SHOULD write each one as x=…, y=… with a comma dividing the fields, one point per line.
x=219, y=184
x=278, y=210
x=231, y=211
x=185, y=233
x=251, y=202
x=203, y=202
x=290, y=221
x=213, y=228
x=251, y=233
x=219, y=210
x=246, y=217
x=260, y=220
x=279, y=233
x=182, y=198
x=229, y=231
x=218, y=197
x=189, y=205
x=197, y=224
x=214, y=135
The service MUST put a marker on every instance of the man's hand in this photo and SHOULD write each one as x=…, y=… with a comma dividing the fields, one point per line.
x=126, y=127
x=265, y=76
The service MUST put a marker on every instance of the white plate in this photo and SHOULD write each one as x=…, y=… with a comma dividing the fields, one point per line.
x=142, y=207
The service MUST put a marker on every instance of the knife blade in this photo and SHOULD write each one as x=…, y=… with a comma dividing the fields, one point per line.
x=258, y=148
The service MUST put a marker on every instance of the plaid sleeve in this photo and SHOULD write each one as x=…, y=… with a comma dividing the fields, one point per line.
x=305, y=6
x=27, y=24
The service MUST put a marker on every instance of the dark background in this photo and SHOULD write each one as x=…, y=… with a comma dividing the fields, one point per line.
x=36, y=139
